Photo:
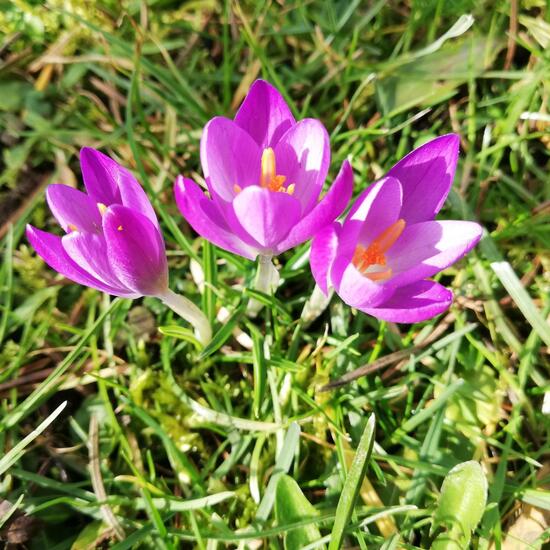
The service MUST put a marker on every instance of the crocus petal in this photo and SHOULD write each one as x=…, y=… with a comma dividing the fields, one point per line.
x=426, y=248
x=264, y=114
x=89, y=251
x=303, y=156
x=102, y=176
x=413, y=303
x=73, y=209
x=325, y=212
x=204, y=217
x=265, y=215
x=136, y=250
x=49, y=247
x=229, y=157
x=375, y=210
x=357, y=290
x=323, y=252
x=133, y=196
x=426, y=175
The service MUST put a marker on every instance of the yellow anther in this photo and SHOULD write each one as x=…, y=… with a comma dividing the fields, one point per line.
x=119, y=227
x=102, y=208
x=374, y=254
x=269, y=179
x=268, y=167
x=72, y=227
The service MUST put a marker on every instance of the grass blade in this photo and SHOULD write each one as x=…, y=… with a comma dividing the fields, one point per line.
x=352, y=485
x=219, y=339
x=50, y=384
x=260, y=369
x=14, y=454
x=513, y=285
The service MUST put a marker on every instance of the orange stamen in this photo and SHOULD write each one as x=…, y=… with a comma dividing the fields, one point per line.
x=374, y=254
x=380, y=275
x=269, y=179
x=72, y=227
x=386, y=239
x=268, y=176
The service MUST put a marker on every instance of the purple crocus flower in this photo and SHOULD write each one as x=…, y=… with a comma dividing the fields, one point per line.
x=113, y=240
x=380, y=258
x=264, y=172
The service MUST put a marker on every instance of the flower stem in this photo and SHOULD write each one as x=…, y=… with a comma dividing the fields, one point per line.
x=264, y=276
x=190, y=312
x=267, y=277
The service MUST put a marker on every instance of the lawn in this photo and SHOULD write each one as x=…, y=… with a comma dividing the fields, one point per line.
x=304, y=422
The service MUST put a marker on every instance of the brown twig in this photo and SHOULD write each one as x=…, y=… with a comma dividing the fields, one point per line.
x=512, y=32
x=97, y=481
x=391, y=359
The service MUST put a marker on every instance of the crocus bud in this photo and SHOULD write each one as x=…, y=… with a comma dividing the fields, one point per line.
x=112, y=239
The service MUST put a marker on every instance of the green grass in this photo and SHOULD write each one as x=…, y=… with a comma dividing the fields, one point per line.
x=164, y=445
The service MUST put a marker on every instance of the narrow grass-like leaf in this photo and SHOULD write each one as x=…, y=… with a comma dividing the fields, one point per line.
x=522, y=299
x=352, y=484
x=269, y=301
x=135, y=539
x=222, y=419
x=210, y=279
x=180, y=333
x=18, y=450
x=49, y=385
x=376, y=517
x=260, y=369
x=427, y=413
x=7, y=515
x=536, y=497
x=6, y=282
x=180, y=462
x=174, y=505
x=133, y=99
x=220, y=337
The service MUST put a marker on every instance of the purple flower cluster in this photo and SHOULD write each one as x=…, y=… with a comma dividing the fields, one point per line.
x=264, y=172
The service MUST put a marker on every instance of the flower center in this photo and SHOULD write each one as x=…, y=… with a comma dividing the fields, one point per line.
x=373, y=255
x=268, y=176
x=102, y=209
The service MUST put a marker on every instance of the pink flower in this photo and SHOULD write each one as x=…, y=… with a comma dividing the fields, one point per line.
x=264, y=172
x=113, y=241
x=380, y=258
